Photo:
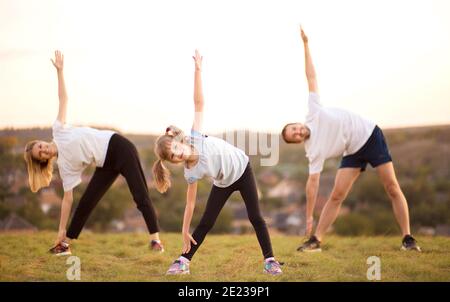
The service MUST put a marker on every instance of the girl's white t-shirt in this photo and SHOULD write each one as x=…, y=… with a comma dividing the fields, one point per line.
x=217, y=159
x=334, y=132
x=78, y=147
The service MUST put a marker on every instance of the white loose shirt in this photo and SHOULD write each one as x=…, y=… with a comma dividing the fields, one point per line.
x=78, y=147
x=334, y=132
x=218, y=159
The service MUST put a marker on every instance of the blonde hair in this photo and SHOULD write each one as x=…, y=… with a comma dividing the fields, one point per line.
x=163, y=144
x=39, y=173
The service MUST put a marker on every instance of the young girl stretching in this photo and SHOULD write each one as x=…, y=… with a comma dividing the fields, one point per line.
x=229, y=167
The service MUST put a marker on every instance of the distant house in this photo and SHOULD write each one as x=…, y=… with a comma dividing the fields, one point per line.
x=322, y=200
x=289, y=221
x=320, y=203
x=289, y=190
x=241, y=224
x=268, y=178
x=20, y=180
x=426, y=230
x=439, y=230
x=16, y=223
x=119, y=181
x=48, y=199
x=132, y=222
x=442, y=230
x=326, y=184
x=16, y=201
x=17, y=185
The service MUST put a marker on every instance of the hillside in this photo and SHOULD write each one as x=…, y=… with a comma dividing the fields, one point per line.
x=420, y=156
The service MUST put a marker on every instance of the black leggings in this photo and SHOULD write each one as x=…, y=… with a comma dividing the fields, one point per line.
x=121, y=158
x=247, y=187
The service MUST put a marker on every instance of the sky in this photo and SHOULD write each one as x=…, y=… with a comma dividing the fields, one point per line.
x=128, y=64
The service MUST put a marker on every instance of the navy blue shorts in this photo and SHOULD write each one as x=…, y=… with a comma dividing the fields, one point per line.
x=375, y=152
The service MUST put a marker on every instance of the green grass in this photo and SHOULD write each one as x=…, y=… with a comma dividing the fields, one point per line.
x=126, y=257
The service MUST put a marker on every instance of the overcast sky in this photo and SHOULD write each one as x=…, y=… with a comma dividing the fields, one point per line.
x=128, y=64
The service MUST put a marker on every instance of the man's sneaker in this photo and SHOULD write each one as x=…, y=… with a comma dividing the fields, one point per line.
x=272, y=267
x=156, y=245
x=179, y=267
x=61, y=249
x=410, y=244
x=312, y=245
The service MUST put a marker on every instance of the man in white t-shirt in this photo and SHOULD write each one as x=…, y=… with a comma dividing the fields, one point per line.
x=333, y=132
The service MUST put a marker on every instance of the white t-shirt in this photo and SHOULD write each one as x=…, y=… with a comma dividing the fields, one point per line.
x=78, y=147
x=217, y=159
x=334, y=132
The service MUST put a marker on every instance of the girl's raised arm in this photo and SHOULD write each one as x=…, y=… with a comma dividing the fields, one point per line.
x=198, y=92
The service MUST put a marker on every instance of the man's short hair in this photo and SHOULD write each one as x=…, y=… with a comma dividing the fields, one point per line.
x=283, y=133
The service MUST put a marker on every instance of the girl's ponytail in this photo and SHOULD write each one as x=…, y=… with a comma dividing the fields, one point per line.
x=162, y=176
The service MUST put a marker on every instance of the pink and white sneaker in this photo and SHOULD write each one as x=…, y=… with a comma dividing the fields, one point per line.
x=179, y=267
x=272, y=267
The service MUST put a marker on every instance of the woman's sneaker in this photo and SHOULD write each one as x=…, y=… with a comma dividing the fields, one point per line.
x=272, y=267
x=179, y=267
x=312, y=245
x=156, y=245
x=410, y=244
x=61, y=249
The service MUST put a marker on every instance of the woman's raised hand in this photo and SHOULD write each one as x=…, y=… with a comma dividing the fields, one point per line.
x=198, y=60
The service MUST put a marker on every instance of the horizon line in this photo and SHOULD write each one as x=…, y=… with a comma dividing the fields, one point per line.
x=224, y=131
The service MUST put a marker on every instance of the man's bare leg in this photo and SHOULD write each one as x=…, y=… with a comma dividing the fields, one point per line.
x=387, y=176
x=345, y=177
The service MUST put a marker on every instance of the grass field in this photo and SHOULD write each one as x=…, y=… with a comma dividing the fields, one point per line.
x=126, y=257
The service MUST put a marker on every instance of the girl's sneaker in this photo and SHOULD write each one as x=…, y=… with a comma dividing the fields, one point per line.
x=156, y=245
x=62, y=249
x=179, y=267
x=272, y=267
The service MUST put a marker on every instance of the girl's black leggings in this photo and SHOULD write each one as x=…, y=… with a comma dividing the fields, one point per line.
x=121, y=158
x=247, y=187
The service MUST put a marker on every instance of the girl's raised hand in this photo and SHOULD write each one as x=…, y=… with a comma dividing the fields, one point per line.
x=58, y=62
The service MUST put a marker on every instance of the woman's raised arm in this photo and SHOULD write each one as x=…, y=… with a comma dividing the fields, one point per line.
x=58, y=62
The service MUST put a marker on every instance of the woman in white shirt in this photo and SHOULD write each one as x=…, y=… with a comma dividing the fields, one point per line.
x=75, y=148
x=227, y=165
